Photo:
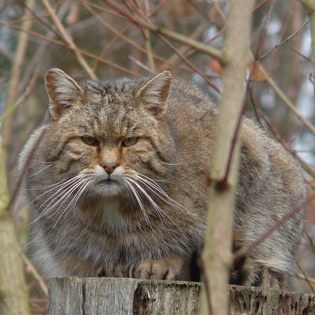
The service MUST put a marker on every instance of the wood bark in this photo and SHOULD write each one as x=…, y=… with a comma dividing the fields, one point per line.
x=78, y=296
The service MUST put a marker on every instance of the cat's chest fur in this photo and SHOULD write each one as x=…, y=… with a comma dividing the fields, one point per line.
x=111, y=215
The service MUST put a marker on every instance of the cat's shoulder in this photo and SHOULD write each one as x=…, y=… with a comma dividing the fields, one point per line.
x=30, y=146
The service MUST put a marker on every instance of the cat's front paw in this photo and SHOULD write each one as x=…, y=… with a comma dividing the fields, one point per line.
x=156, y=269
x=114, y=271
x=169, y=269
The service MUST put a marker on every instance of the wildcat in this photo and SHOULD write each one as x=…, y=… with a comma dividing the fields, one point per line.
x=118, y=185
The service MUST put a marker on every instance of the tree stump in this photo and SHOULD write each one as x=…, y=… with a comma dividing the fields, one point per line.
x=115, y=296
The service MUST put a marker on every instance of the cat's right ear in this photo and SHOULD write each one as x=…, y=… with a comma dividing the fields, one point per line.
x=62, y=90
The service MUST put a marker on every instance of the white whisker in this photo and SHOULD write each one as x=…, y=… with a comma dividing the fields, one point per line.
x=175, y=164
x=158, y=191
x=65, y=196
x=42, y=169
x=154, y=204
x=52, y=186
x=61, y=191
x=73, y=202
x=133, y=190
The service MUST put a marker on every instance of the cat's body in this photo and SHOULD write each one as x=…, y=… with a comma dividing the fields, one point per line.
x=138, y=209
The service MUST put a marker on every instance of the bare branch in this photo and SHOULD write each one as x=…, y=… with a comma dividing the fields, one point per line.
x=167, y=33
x=33, y=271
x=67, y=38
x=246, y=249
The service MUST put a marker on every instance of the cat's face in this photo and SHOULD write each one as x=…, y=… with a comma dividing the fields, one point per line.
x=108, y=139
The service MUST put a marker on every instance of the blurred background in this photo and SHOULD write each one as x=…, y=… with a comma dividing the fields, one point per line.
x=108, y=39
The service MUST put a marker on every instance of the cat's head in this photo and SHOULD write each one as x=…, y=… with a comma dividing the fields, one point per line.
x=113, y=136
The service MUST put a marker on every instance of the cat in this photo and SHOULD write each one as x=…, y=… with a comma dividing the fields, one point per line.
x=118, y=185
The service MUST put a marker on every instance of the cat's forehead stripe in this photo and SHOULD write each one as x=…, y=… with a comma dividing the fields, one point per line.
x=115, y=88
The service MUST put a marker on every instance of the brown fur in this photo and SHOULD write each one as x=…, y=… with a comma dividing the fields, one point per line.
x=156, y=136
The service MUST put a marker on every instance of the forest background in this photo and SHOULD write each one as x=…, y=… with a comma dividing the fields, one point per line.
x=108, y=39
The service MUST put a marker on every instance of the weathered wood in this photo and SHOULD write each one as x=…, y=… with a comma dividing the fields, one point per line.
x=98, y=296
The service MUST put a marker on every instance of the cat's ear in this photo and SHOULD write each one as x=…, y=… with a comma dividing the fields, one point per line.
x=155, y=93
x=62, y=90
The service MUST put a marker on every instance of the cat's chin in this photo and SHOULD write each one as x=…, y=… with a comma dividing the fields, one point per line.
x=107, y=188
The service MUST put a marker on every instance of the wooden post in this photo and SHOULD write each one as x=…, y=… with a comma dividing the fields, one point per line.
x=99, y=296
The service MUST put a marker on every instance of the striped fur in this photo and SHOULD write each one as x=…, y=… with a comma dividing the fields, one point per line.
x=148, y=216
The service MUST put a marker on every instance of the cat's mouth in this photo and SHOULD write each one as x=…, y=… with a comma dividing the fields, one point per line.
x=108, y=181
x=106, y=185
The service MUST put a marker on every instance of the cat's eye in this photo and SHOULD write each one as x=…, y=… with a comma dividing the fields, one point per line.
x=128, y=142
x=90, y=141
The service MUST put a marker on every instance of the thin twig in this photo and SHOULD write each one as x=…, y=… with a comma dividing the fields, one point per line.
x=310, y=240
x=10, y=109
x=245, y=250
x=182, y=39
x=140, y=64
x=118, y=33
x=68, y=39
x=159, y=6
x=191, y=65
x=285, y=40
x=19, y=57
x=193, y=51
x=41, y=20
x=34, y=272
x=83, y=52
x=147, y=41
x=212, y=52
x=284, y=98
x=184, y=50
x=263, y=31
x=301, y=55
x=40, y=52
x=305, y=277
x=260, y=114
x=300, y=276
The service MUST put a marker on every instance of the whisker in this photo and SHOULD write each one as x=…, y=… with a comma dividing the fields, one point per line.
x=62, y=186
x=42, y=169
x=154, y=179
x=175, y=164
x=158, y=190
x=55, y=195
x=73, y=202
x=65, y=196
x=138, y=200
x=154, y=204
x=52, y=185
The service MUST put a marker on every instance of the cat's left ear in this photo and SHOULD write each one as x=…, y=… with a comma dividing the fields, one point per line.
x=62, y=90
x=155, y=93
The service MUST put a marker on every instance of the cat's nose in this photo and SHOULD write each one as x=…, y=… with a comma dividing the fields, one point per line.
x=110, y=167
